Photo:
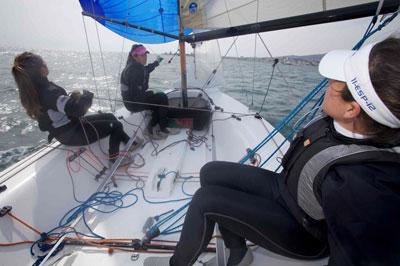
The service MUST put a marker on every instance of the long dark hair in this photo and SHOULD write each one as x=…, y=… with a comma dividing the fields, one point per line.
x=384, y=70
x=27, y=72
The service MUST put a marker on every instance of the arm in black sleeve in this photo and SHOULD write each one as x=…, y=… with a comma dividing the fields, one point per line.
x=78, y=107
x=150, y=67
x=55, y=97
x=361, y=204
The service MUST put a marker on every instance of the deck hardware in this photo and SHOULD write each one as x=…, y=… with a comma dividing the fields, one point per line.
x=5, y=210
x=161, y=176
x=252, y=159
x=153, y=232
x=149, y=223
x=3, y=188
x=100, y=174
x=76, y=154
x=258, y=116
x=135, y=257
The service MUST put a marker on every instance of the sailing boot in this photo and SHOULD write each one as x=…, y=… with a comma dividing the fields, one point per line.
x=152, y=133
x=240, y=257
x=169, y=131
x=136, y=144
x=127, y=160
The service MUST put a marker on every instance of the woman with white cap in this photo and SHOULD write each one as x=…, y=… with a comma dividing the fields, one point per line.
x=339, y=191
x=137, y=96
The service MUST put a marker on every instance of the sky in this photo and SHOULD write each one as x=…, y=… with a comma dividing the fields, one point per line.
x=58, y=25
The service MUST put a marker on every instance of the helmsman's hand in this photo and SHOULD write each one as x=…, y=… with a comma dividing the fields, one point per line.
x=159, y=59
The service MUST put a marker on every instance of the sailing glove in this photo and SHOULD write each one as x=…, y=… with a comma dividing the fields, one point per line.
x=159, y=59
x=86, y=99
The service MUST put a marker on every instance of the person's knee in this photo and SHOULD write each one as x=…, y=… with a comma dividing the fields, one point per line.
x=109, y=117
x=204, y=198
x=116, y=124
x=208, y=171
x=162, y=98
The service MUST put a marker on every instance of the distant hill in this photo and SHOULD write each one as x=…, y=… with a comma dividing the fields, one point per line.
x=312, y=60
x=301, y=60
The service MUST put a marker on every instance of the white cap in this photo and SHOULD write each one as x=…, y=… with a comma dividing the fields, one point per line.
x=352, y=67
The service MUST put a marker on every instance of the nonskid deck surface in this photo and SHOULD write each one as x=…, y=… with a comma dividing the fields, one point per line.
x=165, y=173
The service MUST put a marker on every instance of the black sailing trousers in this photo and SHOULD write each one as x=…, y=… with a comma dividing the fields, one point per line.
x=93, y=128
x=246, y=203
x=159, y=113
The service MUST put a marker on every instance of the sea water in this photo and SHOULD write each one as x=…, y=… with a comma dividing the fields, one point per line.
x=245, y=79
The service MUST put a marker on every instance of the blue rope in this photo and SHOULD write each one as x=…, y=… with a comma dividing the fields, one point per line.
x=172, y=215
x=185, y=179
x=173, y=232
x=287, y=119
x=170, y=227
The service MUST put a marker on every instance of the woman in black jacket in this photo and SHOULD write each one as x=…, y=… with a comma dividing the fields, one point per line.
x=61, y=115
x=137, y=96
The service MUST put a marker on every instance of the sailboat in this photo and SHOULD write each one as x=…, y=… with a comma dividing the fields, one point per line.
x=64, y=205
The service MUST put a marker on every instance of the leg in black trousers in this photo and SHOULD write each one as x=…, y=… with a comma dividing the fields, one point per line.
x=95, y=127
x=159, y=114
x=246, y=203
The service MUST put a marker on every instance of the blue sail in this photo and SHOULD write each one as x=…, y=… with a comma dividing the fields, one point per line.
x=160, y=15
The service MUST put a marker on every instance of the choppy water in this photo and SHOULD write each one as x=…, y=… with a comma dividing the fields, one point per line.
x=72, y=70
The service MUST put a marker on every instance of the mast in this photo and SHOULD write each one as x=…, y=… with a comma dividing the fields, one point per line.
x=182, y=56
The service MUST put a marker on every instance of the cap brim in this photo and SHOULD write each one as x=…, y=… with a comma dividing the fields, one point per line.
x=331, y=65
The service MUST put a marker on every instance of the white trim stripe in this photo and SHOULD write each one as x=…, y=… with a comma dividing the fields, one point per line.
x=61, y=102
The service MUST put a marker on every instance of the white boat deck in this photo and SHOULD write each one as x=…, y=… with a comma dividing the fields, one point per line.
x=41, y=187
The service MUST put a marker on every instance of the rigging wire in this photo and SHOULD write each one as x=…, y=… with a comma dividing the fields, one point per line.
x=186, y=108
x=102, y=58
x=269, y=83
x=254, y=58
x=119, y=71
x=212, y=75
x=254, y=69
x=173, y=56
x=91, y=59
x=271, y=56
x=237, y=52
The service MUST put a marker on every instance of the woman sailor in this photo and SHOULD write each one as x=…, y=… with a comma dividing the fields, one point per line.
x=340, y=187
x=137, y=96
x=61, y=115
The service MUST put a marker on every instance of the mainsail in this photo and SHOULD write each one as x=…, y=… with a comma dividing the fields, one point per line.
x=219, y=14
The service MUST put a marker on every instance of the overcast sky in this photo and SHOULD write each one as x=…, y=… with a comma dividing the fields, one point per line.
x=57, y=24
